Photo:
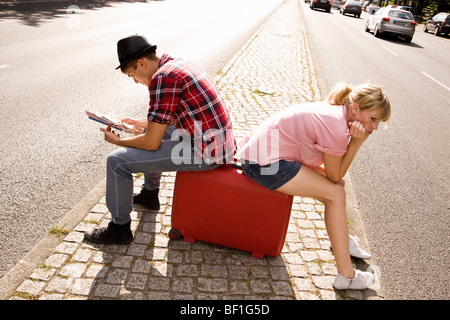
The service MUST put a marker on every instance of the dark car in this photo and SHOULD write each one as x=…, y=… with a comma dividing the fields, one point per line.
x=351, y=7
x=322, y=4
x=440, y=23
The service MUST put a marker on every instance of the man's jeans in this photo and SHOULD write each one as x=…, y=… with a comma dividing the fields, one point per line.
x=123, y=162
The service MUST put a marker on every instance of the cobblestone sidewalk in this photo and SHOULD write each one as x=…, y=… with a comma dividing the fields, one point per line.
x=273, y=70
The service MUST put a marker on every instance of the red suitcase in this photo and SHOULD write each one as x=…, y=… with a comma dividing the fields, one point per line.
x=224, y=207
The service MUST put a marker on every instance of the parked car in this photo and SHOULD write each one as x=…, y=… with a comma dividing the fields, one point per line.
x=372, y=8
x=407, y=8
x=351, y=7
x=336, y=4
x=368, y=3
x=322, y=4
x=394, y=6
x=440, y=23
x=392, y=21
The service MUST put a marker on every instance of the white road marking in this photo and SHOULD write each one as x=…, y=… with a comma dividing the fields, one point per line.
x=4, y=66
x=390, y=51
x=437, y=81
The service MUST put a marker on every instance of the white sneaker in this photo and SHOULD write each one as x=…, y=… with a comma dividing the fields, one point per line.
x=355, y=249
x=361, y=281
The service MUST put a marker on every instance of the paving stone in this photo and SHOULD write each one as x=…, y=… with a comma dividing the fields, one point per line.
x=260, y=286
x=141, y=266
x=43, y=274
x=122, y=262
x=74, y=237
x=82, y=286
x=59, y=284
x=82, y=255
x=304, y=284
x=159, y=283
x=323, y=282
x=137, y=281
x=239, y=287
x=74, y=270
x=212, y=285
x=67, y=247
x=190, y=270
x=107, y=290
x=96, y=271
x=183, y=285
x=117, y=276
x=31, y=287
x=283, y=288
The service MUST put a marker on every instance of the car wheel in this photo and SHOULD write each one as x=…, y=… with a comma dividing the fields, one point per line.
x=376, y=33
x=408, y=40
x=436, y=31
x=367, y=26
x=425, y=29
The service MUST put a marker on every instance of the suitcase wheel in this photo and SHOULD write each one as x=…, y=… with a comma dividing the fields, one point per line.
x=257, y=255
x=174, y=234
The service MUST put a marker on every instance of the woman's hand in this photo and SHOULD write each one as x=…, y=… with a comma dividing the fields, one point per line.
x=357, y=131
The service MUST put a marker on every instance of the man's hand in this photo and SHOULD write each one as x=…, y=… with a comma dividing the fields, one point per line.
x=139, y=125
x=110, y=136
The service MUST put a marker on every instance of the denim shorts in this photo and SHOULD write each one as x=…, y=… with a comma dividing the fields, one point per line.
x=271, y=176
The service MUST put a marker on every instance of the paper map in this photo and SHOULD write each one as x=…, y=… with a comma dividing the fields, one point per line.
x=106, y=120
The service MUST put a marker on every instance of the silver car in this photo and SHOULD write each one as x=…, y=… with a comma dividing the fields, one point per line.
x=392, y=21
x=372, y=8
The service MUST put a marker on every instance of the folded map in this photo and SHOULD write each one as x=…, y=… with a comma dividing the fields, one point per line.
x=107, y=120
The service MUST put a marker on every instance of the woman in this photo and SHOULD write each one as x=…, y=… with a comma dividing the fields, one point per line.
x=282, y=152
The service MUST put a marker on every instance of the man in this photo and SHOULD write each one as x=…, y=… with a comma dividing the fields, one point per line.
x=187, y=128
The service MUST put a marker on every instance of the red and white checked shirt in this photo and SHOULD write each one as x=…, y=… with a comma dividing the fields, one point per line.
x=181, y=91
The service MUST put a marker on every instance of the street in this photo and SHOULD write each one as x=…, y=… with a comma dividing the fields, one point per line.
x=58, y=60
x=400, y=176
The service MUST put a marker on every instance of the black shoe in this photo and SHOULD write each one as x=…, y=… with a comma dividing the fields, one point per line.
x=112, y=234
x=148, y=199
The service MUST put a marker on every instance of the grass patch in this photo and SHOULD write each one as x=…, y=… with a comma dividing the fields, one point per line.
x=58, y=231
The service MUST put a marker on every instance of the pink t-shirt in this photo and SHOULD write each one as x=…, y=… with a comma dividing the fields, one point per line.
x=300, y=133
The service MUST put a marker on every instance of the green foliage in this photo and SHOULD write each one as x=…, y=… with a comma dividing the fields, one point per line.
x=429, y=11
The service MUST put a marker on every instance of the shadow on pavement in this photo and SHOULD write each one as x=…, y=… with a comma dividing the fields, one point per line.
x=36, y=13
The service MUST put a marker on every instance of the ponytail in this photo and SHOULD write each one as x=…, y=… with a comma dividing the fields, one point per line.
x=339, y=94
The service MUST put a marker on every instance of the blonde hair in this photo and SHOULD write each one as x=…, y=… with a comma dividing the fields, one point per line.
x=367, y=96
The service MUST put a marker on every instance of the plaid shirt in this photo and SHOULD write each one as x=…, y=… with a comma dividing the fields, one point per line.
x=182, y=92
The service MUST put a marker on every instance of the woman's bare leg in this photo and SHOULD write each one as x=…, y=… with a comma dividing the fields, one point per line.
x=309, y=183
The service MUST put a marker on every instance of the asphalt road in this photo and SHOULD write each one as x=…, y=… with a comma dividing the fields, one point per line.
x=400, y=176
x=58, y=60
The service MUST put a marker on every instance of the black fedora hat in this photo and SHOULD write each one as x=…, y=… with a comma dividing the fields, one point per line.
x=132, y=47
